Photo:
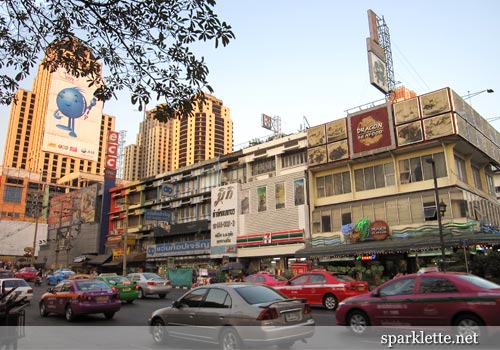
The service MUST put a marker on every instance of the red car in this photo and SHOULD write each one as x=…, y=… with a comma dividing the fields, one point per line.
x=323, y=288
x=26, y=273
x=430, y=299
x=80, y=297
x=266, y=278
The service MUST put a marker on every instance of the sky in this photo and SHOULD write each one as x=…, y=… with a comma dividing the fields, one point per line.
x=306, y=61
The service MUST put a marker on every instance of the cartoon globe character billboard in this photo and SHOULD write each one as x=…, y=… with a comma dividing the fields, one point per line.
x=71, y=104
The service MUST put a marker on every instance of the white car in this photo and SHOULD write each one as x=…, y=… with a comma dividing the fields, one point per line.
x=23, y=289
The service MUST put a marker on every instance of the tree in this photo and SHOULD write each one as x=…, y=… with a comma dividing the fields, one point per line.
x=146, y=45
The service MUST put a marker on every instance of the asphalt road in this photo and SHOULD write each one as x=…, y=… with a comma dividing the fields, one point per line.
x=128, y=330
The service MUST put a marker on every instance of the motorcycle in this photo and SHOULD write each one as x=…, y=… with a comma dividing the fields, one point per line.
x=38, y=281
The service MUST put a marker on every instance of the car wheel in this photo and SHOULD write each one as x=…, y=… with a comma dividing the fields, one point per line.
x=70, y=316
x=468, y=325
x=141, y=294
x=159, y=331
x=330, y=302
x=230, y=340
x=43, y=309
x=358, y=322
x=109, y=315
x=162, y=296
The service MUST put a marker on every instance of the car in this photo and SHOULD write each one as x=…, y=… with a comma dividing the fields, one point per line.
x=266, y=278
x=150, y=284
x=323, y=288
x=129, y=291
x=26, y=273
x=222, y=313
x=22, y=288
x=58, y=276
x=80, y=297
x=6, y=274
x=453, y=300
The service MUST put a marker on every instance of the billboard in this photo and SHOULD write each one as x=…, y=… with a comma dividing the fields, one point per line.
x=224, y=222
x=371, y=131
x=73, y=120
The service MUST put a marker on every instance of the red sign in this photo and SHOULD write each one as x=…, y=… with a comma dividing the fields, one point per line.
x=113, y=137
x=110, y=162
x=371, y=130
x=112, y=149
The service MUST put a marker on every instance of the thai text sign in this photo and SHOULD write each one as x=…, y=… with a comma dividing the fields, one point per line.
x=179, y=248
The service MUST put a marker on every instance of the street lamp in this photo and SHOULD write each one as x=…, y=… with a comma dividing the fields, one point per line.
x=471, y=95
x=440, y=210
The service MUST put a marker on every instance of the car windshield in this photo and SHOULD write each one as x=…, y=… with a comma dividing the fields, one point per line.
x=118, y=279
x=479, y=282
x=15, y=283
x=343, y=278
x=152, y=276
x=257, y=294
x=92, y=285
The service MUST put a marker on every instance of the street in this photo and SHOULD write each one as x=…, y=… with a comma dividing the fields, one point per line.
x=129, y=330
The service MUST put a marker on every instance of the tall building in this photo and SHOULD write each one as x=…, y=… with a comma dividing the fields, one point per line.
x=56, y=142
x=161, y=147
x=60, y=142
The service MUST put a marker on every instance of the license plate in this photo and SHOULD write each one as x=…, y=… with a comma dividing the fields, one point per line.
x=101, y=299
x=292, y=316
x=126, y=289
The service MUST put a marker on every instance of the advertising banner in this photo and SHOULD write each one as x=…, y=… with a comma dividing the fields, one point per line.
x=73, y=120
x=224, y=220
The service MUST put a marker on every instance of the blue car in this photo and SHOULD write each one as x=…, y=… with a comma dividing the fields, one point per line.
x=58, y=275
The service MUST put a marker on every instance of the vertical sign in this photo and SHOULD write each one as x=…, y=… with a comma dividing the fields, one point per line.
x=111, y=154
x=224, y=221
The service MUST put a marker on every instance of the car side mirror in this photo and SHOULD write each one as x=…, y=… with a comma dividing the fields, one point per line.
x=289, y=282
x=112, y=282
x=176, y=304
x=50, y=290
x=375, y=293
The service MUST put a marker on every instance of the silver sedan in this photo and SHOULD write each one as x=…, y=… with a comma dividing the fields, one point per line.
x=234, y=315
x=150, y=284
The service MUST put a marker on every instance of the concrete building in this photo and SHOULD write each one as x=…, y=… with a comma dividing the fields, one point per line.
x=179, y=142
x=372, y=191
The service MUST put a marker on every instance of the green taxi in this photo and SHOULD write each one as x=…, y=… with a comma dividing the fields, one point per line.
x=128, y=290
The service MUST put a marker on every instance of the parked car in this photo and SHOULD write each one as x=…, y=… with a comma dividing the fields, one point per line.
x=266, y=278
x=430, y=299
x=22, y=288
x=58, y=276
x=129, y=291
x=221, y=313
x=79, y=297
x=323, y=288
x=26, y=273
x=150, y=284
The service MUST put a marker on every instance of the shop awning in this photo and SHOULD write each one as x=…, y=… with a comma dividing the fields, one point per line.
x=131, y=258
x=99, y=259
x=398, y=245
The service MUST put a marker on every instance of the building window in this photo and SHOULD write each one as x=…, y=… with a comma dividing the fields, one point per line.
x=417, y=169
x=266, y=165
x=460, y=169
x=346, y=218
x=430, y=212
x=326, y=222
x=12, y=194
x=490, y=184
x=294, y=159
x=476, y=174
x=373, y=177
x=335, y=184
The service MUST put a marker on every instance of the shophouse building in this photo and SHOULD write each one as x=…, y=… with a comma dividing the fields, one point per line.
x=249, y=205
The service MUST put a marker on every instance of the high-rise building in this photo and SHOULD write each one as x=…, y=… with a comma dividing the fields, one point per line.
x=63, y=143
x=179, y=142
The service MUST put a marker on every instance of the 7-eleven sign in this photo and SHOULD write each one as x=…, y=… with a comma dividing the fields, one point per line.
x=267, y=238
